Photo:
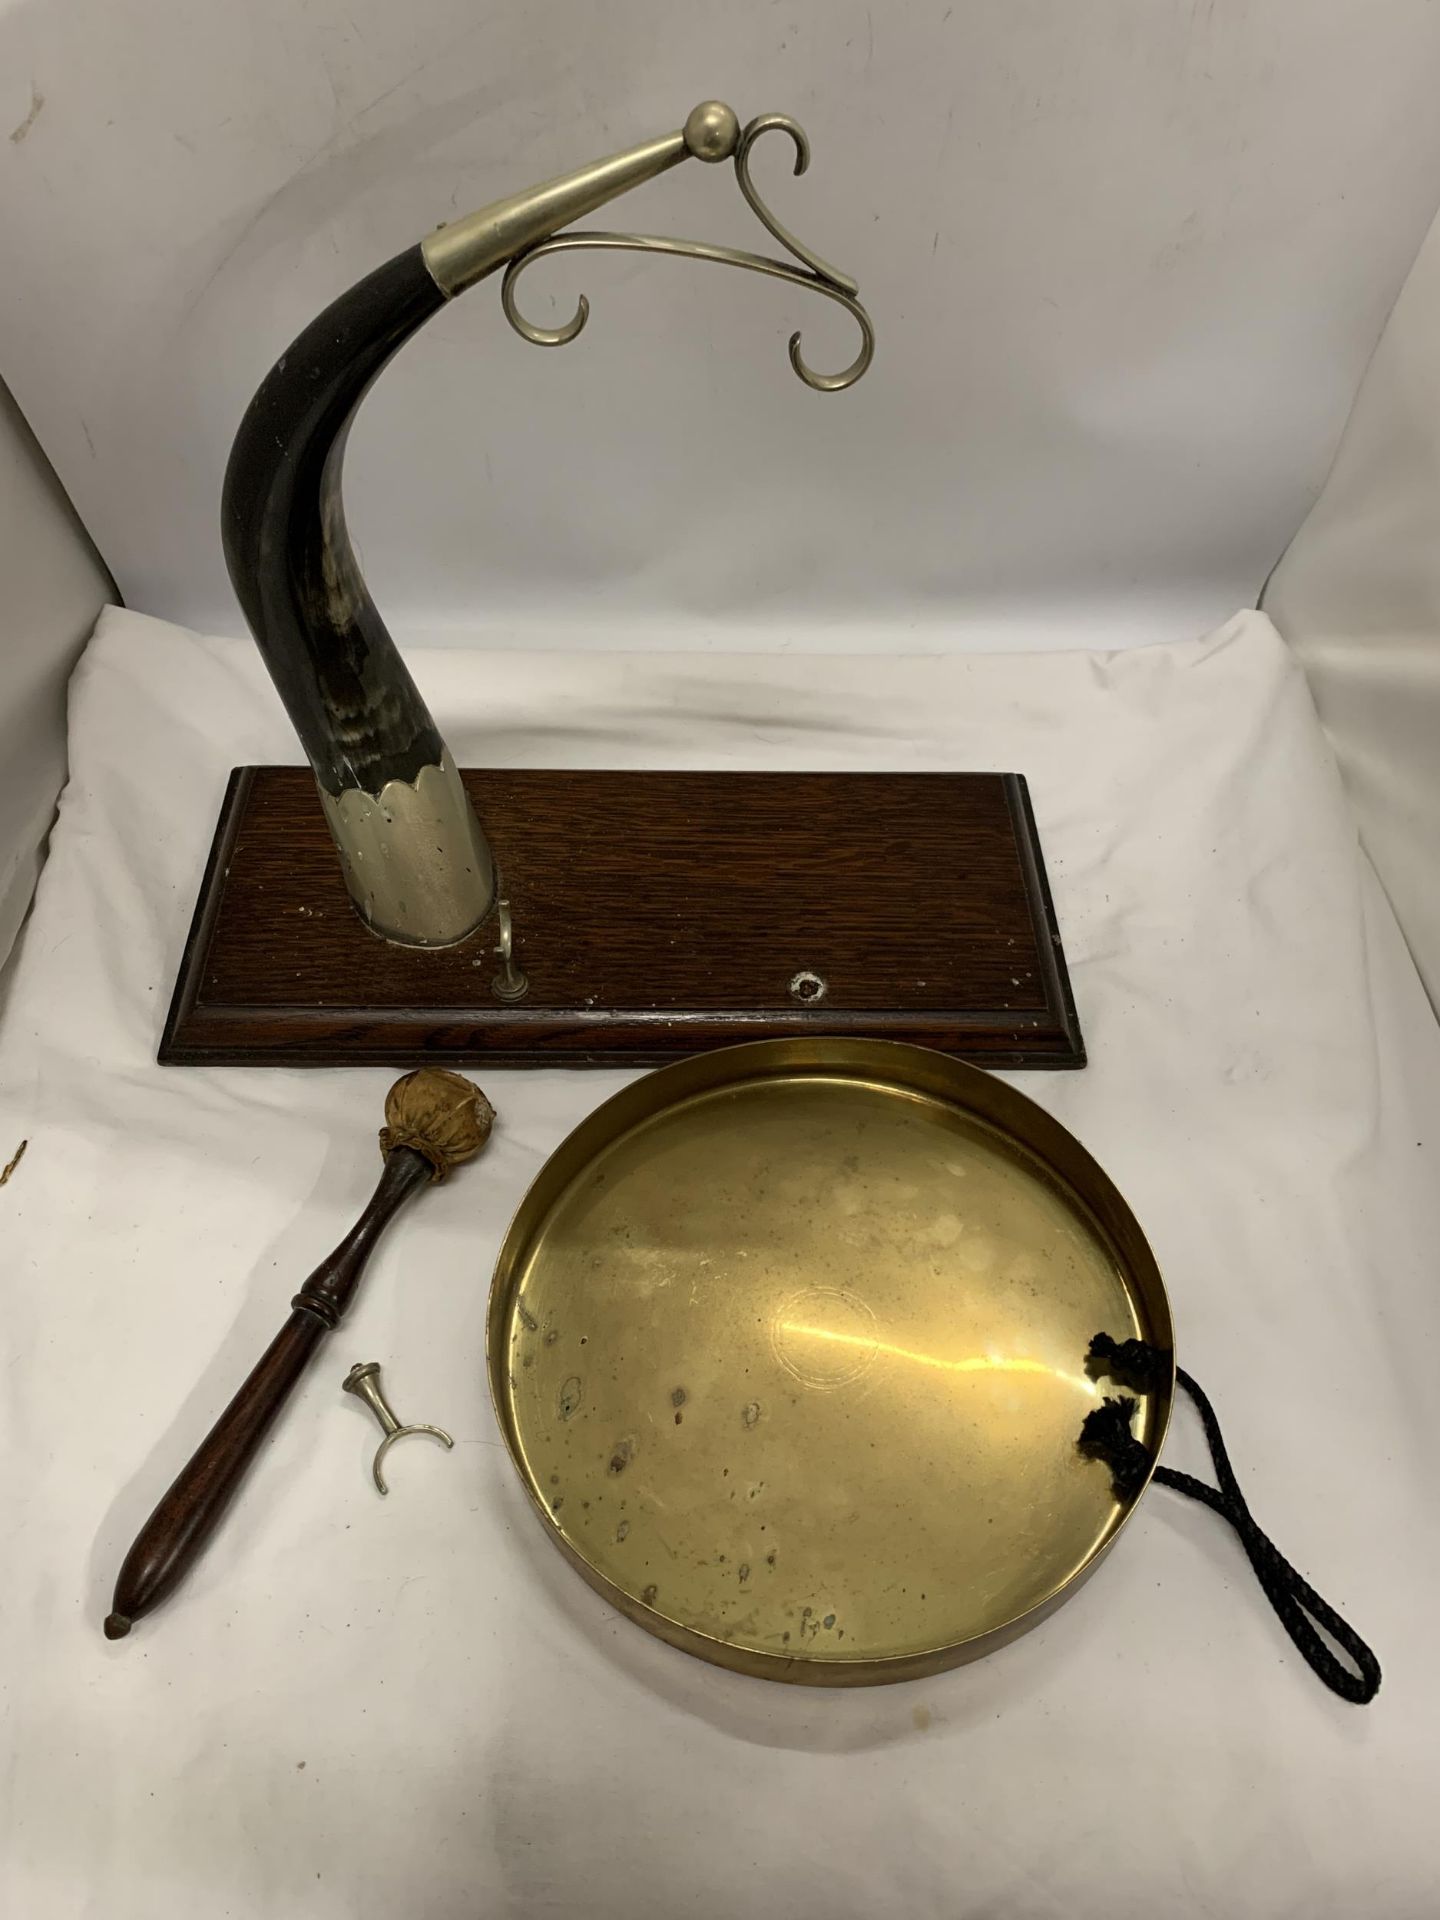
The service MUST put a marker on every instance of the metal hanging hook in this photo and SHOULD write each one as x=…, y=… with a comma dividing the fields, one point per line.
x=364, y=1382
x=814, y=273
x=510, y=982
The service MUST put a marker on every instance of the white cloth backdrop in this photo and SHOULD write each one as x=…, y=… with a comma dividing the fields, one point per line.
x=1358, y=596
x=1127, y=260
x=359, y=1708
x=51, y=589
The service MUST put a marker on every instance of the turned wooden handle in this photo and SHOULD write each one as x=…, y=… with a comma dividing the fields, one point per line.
x=434, y=1120
x=172, y=1538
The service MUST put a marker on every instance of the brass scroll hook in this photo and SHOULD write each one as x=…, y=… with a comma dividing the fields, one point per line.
x=723, y=139
x=364, y=1383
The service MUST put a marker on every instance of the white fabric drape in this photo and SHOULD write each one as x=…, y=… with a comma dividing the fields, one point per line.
x=413, y=1707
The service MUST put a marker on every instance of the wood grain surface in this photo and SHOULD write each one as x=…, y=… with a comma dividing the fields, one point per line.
x=655, y=914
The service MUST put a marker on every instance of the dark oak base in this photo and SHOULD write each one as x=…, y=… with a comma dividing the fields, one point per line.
x=655, y=914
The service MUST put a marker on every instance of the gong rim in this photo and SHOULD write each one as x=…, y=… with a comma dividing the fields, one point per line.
x=939, y=1090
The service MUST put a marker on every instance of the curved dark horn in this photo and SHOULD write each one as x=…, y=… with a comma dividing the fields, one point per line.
x=415, y=860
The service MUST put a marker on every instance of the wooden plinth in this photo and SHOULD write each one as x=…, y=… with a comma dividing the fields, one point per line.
x=655, y=914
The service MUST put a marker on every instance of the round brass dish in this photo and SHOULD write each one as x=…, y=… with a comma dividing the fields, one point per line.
x=788, y=1344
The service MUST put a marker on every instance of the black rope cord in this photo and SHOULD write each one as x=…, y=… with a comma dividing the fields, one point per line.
x=1106, y=1436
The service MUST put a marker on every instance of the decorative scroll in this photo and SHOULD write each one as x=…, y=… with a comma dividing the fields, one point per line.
x=813, y=273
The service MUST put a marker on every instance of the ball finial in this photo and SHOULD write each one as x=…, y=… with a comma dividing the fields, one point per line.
x=712, y=131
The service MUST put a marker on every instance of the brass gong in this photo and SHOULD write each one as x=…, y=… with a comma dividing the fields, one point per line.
x=788, y=1344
